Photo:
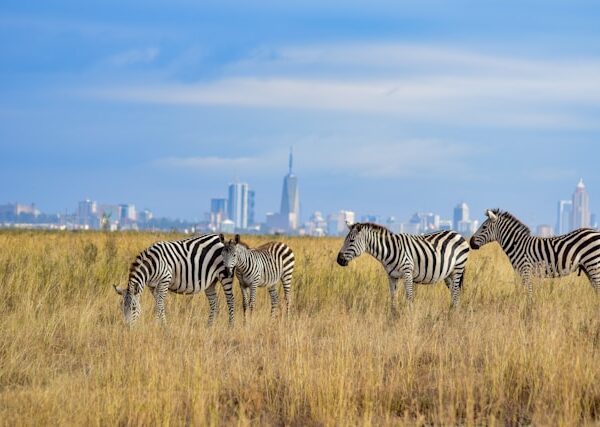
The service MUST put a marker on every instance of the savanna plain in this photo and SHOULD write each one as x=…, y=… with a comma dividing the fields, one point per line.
x=339, y=359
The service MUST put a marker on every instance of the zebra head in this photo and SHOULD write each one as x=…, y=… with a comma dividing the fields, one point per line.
x=230, y=254
x=130, y=305
x=353, y=246
x=487, y=232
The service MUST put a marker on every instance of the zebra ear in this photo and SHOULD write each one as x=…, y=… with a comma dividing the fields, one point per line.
x=348, y=225
x=222, y=238
x=119, y=290
x=491, y=215
x=237, y=238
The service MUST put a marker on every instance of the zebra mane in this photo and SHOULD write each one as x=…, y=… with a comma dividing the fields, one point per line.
x=513, y=219
x=133, y=268
x=374, y=226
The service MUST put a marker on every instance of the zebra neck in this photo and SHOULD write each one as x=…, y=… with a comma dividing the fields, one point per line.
x=134, y=287
x=138, y=277
x=374, y=247
x=244, y=259
x=513, y=245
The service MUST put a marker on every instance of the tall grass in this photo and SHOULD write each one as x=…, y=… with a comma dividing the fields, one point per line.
x=66, y=357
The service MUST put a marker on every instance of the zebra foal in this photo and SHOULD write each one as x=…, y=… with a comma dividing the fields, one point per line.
x=541, y=256
x=185, y=266
x=266, y=265
x=412, y=258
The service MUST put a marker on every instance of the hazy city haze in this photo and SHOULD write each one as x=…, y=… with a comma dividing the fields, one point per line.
x=391, y=108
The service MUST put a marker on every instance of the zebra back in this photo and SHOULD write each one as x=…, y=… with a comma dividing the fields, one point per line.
x=434, y=256
x=189, y=265
x=265, y=264
x=428, y=257
x=546, y=256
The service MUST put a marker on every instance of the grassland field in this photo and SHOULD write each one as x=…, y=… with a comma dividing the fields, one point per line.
x=66, y=357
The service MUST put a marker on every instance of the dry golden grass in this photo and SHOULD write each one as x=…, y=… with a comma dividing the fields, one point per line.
x=66, y=358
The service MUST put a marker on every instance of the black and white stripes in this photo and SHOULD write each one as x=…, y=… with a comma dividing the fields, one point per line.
x=196, y=264
x=537, y=256
x=262, y=266
x=185, y=266
x=414, y=259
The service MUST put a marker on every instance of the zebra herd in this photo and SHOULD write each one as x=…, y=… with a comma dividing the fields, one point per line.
x=196, y=264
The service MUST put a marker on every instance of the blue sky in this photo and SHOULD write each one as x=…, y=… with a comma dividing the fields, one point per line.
x=392, y=107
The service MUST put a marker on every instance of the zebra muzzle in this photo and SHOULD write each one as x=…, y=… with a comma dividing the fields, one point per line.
x=341, y=260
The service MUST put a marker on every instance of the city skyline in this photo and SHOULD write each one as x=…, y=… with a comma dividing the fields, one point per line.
x=390, y=106
x=547, y=219
x=231, y=215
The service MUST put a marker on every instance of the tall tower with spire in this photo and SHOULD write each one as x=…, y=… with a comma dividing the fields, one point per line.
x=290, y=198
x=581, y=207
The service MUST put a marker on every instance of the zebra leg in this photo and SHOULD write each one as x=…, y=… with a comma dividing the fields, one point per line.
x=160, y=293
x=213, y=302
x=252, y=296
x=228, y=289
x=286, y=281
x=274, y=299
x=593, y=274
x=408, y=286
x=245, y=298
x=394, y=295
x=526, y=277
x=456, y=286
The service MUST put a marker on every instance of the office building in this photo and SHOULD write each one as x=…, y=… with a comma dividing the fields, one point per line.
x=461, y=214
x=238, y=205
x=290, y=200
x=563, y=216
x=581, y=207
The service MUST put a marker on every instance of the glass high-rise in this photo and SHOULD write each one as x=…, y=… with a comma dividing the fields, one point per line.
x=87, y=213
x=461, y=215
x=238, y=204
x=251, y=218
x=563, y=217
x=581, y=207
x=290, y=199
x=218, y=211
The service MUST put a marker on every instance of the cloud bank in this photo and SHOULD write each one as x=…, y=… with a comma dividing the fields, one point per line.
x=413, y=82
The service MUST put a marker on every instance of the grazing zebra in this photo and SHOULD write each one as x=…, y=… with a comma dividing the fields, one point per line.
x=415, y=259
x=263, y=266
x=541, y=256
x=183, y=266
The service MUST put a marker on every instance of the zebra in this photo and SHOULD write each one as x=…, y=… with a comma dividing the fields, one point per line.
x=263, y=266
x=422, y=259
x=541, y=256
x=185, y=266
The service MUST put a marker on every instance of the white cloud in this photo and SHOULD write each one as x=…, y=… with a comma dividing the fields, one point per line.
x=208, y=163
x=337, y=156
x=134, y=56
x=384, y=159
x=414, y=82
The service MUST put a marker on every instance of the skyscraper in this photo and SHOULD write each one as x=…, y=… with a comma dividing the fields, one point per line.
x=563, y=217
x=128, y=213
x=290, y=199
x=238, y=204
x=251, y=218
x=218, y=212
x=338, y=223
x=461, y=214
x=581, y=207
x=87, y=213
